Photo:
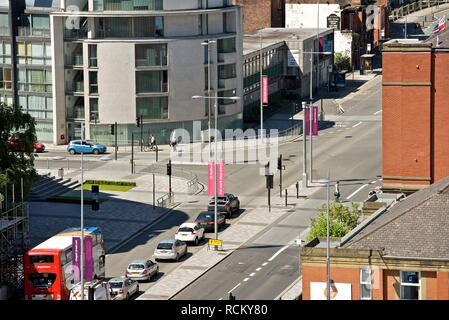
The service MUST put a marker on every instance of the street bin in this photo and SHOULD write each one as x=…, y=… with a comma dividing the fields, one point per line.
x=61, y=173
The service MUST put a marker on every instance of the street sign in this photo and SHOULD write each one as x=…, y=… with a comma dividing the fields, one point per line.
x=314, y=121
x=220, y=179
x=333, y=21
x=215, y=242
x=210, y=179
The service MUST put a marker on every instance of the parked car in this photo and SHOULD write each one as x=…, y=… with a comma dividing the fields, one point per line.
x=85, y=146
x=141, y=270
x=227, y=204
x=15, y=144
x=170, y=250
x=206, y=219
x=123, y=288
x=190, y=232
x=38, y=147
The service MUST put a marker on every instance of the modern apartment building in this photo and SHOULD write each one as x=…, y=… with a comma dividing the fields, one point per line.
x=99, y=62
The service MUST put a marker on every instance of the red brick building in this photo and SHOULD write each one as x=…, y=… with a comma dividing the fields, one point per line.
x=415, y=98
x=398, y=253
x=260, y=14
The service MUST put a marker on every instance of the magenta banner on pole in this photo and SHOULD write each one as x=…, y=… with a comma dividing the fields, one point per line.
x=314, y=121
x=88, y=259
x=210, y=179
x=76, y=259
x=264, y=89
x=220, y=177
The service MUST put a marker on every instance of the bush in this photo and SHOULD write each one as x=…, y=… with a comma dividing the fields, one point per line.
x=111, y=183
x=342, y=61
x=342, y=220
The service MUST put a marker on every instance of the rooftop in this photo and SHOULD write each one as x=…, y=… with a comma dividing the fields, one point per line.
x=416, y=227
x=273, y=36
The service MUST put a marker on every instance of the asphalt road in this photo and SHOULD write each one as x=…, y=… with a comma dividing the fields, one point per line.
x=268, y=263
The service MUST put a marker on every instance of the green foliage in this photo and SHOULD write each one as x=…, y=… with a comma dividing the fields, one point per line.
x=342, y=220
x=342, y=61
x=17, y=162
x=112, y=183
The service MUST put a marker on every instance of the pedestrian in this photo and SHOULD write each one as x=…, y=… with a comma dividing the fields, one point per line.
x=152, y=141
x=337, y=191
x=173, y=140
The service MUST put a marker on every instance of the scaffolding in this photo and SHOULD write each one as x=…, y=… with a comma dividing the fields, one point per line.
x=13, y=244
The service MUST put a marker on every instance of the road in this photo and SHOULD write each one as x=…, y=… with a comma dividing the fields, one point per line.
x=268, y=263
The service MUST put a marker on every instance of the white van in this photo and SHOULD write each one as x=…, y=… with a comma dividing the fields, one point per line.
x=94, y=290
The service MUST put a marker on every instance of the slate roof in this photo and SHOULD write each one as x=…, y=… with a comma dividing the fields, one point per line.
x=416, y=227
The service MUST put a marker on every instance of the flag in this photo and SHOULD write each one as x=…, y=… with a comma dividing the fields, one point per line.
x=440, y=26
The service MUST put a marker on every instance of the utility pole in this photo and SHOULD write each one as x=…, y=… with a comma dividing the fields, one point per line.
x=280, y=174
x=82, y=218
x=304, y=149
x=154, y=193
x=116, y=147
x=141, y=133
x=261, y=91
x=132, y=152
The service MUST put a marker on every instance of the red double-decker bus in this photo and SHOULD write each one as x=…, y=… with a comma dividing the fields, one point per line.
x=49, y=274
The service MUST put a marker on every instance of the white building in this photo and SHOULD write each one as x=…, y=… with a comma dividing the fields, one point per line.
x=116, y=60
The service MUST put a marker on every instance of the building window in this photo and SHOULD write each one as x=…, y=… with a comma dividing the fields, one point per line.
x=5, y=80
x=227, y=71
x=365, y=284
x=4, y=24
x=226, y=45
x=5, y=52
x=410, y=285
x=93, y=56
x=224, y=102
x=36, y=53
x=93, y=103
x=127, y=5
x=151, y=81
x=149, y=55
x=93, y=82
x=124, y=27
x=152, y=107
x=37, y=106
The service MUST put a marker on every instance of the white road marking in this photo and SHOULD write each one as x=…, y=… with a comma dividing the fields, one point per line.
x=278, y=252
x=356, y=191
x=246, y=279
x=258, y=269
x=377, y=112
x=357, y=124
x=252, y=274
x=234, y=288
x=264, y=264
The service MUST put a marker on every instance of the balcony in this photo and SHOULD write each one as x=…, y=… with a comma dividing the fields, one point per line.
x=72, y=34
x=33, y=32
x=75, y=60
x=76, y=87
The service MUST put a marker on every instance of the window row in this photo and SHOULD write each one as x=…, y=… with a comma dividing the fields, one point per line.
x=125, y=27
x=148, y=55
x=34, y=80
x=37, y=25
x=127, y=5
x=34, y=53
x=37, y=106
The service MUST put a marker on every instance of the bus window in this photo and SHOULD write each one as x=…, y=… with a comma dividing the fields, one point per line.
x=42, y=280
x=41, y=259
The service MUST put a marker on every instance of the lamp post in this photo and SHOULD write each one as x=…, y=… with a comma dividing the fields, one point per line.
x=82, y=218
x=328, y=265
x=261, y=91
x=215, y=155
x=208, y=90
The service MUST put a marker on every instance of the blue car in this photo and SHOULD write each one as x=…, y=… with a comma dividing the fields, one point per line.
x=84, y=146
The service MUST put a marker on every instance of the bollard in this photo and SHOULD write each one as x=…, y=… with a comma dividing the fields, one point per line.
x=157, y=153
x=297, y=189
x=285, y=197
x=68, y=165
x=48, y=163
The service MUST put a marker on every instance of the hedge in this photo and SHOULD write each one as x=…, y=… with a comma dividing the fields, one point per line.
x=110, y=182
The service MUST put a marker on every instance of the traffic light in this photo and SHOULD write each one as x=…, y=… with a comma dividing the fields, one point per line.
x=138, y=122
x=95, y=199
x=112, y=129
x=169, y=168
x=280, y=162
x=269, y=181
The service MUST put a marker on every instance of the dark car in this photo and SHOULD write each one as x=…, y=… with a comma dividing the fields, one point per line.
x=206, y=219
x=227, y=204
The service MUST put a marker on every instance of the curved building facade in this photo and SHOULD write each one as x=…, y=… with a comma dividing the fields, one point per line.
x=117, y=60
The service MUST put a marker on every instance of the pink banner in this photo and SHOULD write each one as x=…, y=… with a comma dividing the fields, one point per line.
x=265, y=89
x=210, y=179
x=220, y=177
x=314, y=121
x=76, y=259
x=88, y=259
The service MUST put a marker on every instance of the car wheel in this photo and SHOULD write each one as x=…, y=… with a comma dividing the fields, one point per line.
x=72, y=152
x=127, y=296
x=196, y=241
x=96, y=151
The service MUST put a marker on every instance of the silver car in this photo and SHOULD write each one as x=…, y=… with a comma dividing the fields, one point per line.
x=142, y=270
x=170, y=250
x=122, y=288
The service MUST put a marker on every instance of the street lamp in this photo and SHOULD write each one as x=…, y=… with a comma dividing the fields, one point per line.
x=82, y=217
x=328, y=265
x=215, y=153
x=207, y=43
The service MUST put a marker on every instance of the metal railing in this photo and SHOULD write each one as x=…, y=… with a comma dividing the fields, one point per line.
x=66, y=163
x=166, y=200
x=400, y=12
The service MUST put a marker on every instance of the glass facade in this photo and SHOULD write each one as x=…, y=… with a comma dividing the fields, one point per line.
x=5, y=78
x=4, y=24
x=151, y=81
x=34, y=53
x=127, y=5
x=227, y=71
x=39, y=107
x=5, y=52
x=125, y=27
x=35, y=25
x=31, y=80
x=226, y=45
x=152, y=107
x=150, y=55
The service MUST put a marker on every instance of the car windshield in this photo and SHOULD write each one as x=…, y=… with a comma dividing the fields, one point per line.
x=165, y=245
x=185, y=229
x=206, y=216
x=116, y=284
x=218, y=203
x=136, y=266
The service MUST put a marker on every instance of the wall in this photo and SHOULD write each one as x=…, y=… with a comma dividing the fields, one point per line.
x=256, y=14
x=180, y=5
x=305, y=15
x=186, y=25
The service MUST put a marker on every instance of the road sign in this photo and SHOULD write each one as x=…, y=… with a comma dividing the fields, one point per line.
x=215, y=242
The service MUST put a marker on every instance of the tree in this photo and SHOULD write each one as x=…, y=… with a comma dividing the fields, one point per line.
x=342, y=61
x=17, y=139
x=342, y=220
